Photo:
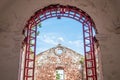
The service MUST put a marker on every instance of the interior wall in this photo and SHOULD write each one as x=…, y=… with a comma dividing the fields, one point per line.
x=15, y=13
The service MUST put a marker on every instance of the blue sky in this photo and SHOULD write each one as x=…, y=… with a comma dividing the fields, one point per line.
x=64, y=31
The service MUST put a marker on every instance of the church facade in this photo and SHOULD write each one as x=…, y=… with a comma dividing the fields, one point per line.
x=59, y=63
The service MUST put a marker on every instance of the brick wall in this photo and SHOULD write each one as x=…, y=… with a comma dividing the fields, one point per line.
x=47, y=62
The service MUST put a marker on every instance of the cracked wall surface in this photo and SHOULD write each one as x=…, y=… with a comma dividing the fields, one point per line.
x=14, y=14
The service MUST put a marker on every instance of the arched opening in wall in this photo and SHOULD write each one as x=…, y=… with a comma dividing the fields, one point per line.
x=58, y=11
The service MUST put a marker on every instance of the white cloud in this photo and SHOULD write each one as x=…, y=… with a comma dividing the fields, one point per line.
x=52, y=38
x=40, y=49
x=76, y=43
x=60, y=39
x=49, y=39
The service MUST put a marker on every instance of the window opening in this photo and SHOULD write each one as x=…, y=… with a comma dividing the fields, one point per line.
x=59, y=52
x=59, y=74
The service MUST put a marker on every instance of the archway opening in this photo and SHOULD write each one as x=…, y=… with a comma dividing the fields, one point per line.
x=61, y=41
x=30, y=32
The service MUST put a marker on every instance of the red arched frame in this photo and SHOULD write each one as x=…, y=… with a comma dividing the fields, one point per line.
x=59, y=11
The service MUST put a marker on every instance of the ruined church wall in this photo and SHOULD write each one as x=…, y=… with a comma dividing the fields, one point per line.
x=48, y=62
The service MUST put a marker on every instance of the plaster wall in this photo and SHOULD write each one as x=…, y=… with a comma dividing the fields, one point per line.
x=15, y=13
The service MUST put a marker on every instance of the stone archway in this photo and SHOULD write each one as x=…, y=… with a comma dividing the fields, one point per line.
x=59, y=11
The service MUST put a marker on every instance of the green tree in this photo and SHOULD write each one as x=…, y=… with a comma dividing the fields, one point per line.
x=38, y=26
x=82, y=60
x=57, y=76
x=82, y=66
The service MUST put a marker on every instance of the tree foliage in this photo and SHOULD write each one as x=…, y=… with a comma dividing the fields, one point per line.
x=82, y=60
x=39, y=26
x=57, y=76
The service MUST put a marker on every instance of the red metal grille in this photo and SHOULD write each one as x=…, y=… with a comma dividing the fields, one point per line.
x=30, y=51
x=90, y=61
x=60, y=11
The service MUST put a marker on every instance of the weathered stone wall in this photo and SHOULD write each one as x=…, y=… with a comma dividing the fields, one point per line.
x=98, y=60
x=48, y=61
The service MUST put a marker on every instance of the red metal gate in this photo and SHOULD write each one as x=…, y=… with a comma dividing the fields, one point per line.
x=60, y=11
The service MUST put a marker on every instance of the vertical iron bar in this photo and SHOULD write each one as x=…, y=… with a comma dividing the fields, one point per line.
x=34, y=48
x=26, y=54
x=93, y=51
x=84, y=50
